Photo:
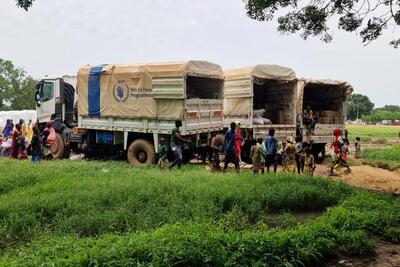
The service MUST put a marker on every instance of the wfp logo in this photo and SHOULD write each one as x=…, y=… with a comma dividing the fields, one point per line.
x=121, y=92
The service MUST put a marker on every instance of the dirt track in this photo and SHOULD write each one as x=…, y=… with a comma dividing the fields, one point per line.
x=387, y=255
x=367, y=177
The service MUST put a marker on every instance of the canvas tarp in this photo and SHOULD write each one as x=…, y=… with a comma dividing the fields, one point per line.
x=340, y=84
x=262, y=71
x=126, y=90
x=237, y=79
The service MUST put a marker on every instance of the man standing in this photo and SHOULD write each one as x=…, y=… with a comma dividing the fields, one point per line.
x=271, y=145
x=176, y=145
x=230, y=152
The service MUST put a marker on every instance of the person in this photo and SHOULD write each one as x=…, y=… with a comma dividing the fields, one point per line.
x=24, y=127
x=238, y=142
x=46, y=141
x=36, y=145
x=162, y=152
x=337, y=153
x=29, y=130
x=309, y=162
x=299, y=156
x=263, y=154
x=309, y=120
x=215, y=161
x=358, y=148
x=15, y=142
x=290, y=151
x=8, y=128
x=176, y=145
x=229, y=146
x=6, y=147
x=271, y=145
x=22, y=148
x=256, y=155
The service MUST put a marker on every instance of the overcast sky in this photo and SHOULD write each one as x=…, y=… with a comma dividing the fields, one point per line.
x=57, y=37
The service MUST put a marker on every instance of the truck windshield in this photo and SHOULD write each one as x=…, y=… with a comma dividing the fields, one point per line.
x=47, y=92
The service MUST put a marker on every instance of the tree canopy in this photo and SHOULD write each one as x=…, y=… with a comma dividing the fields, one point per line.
x=17, y=89
x=369, y=19
x=379, y=115
x=25, y=4
x=358, y=105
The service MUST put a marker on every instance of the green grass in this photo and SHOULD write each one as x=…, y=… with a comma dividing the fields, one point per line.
x=370, y=133
x=110, y=214
x=389, y=156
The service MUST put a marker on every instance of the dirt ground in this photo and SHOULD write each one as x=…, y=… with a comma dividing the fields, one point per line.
x=366, y=177
x=387, y=255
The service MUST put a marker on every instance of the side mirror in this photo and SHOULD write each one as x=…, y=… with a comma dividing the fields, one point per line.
x=37, y=98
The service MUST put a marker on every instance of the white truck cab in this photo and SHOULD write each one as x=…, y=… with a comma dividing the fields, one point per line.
x=56, y=98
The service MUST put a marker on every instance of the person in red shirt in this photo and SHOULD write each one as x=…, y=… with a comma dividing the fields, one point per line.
x=337, y=152
x=238, y=142
x=15, y=142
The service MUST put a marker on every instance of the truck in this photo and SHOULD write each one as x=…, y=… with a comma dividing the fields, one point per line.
x=123, y=111
x=264, y=96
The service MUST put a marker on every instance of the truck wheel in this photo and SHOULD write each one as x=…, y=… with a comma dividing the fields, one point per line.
x=141, y=153
x=57, y=149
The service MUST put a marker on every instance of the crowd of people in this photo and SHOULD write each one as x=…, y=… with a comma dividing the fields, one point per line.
x=294, y=155
x=23, y=139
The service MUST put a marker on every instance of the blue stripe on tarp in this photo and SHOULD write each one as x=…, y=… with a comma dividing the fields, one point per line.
x=94, y=91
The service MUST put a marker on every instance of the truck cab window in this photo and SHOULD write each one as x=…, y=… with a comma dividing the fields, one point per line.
x=47, y=91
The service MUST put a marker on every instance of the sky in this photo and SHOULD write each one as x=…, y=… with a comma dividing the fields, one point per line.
x=58, y=37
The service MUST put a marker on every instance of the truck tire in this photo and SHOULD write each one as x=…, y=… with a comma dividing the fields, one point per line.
x=57, y=149
x=141, y=153
x=218, y=140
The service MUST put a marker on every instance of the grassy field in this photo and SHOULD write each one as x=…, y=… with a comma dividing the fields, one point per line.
x=389, y=155
x=374, y=133
x=110, y=214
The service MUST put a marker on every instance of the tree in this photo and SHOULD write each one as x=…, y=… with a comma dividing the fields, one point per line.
x=367, y=18
x=391, y=108
x=358, y=105
x=25, y=4
x=17, y=89
x=379, y=115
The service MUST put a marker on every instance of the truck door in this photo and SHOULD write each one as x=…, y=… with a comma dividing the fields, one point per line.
x=45, y=97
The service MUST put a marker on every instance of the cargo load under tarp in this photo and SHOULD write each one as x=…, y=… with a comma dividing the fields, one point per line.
x=240, y=86
x=261, y=97
x=327, y=99
x=146, y=91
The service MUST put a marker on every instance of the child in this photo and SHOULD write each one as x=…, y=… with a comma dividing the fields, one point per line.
x=290, y=152
x=339, y=152
x=309, y=163
x=263, y=154
x=6, y=147
x=256, y=155
x=358, y=148
x=299, y=156
x=216, y=163
x=162, y=151
x=36, y=145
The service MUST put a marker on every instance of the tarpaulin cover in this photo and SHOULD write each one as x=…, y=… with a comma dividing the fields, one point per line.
x=340, y=84
x=262, y=71
x=236, y=104
x=126, y=90
x=16, y=115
